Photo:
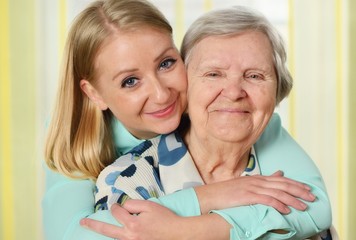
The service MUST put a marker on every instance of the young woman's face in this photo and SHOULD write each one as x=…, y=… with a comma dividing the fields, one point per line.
x=232, y=86
x=141, y=78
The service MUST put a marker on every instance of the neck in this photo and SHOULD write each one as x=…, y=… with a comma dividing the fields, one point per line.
x=217, y=160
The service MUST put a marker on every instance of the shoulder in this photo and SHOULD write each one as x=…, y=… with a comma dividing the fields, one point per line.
x=146, y=151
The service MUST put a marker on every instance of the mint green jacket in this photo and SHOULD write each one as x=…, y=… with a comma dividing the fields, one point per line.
x=66, y=201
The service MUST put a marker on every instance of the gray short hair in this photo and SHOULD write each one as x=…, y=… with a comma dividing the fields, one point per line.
x=236, y=20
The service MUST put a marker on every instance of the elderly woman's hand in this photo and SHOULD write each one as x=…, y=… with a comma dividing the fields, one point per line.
x=276, y=191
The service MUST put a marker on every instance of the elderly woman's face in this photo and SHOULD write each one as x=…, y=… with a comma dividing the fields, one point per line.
x=232, y=86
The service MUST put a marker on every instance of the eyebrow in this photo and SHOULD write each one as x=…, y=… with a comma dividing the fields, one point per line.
x=124, y=71
x=136, y=69
x=163, y=53
x=208, y=65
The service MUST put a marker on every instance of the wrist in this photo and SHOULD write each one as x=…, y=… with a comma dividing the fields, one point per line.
x=214, y=196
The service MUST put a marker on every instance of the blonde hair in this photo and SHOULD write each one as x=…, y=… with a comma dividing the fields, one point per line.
x=79, y=142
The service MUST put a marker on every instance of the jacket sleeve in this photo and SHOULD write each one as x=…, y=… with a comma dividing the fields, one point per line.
x=276, y=150
x=183, y=203
x=65, y=202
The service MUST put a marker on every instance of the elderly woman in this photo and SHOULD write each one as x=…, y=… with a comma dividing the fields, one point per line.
x=236, y=71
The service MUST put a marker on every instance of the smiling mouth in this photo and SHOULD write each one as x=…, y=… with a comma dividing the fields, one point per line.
x=164, y=112
x=230, y=110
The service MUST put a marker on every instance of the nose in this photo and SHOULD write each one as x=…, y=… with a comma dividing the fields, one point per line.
x=234, y=88
x=160, y=92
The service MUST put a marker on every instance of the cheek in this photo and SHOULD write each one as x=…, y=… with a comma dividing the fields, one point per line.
x=182, y=84
x=200, y=96
x=180, y=80
x=126, y=102
x=265, y=99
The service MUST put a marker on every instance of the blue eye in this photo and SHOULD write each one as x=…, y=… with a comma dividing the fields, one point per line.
x=129, y=82
x=166, y=64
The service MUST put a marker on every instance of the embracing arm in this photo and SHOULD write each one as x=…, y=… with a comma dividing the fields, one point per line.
x=157, y=222
x=65, y=202
x=277, y=150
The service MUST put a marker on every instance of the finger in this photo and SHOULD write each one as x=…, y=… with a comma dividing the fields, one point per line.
x=120, y=214
x=139, y=206
x=296, y=183
x=268, y=201
x=106, y=229
x=293, y=189
x=286, y=180
x=277, y=197
x=278, y=177
x=289, y=186
x=279, y=173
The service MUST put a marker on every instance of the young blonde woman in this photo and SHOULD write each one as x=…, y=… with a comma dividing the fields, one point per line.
x=120, y=63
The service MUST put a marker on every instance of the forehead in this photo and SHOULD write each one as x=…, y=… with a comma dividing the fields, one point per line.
x=250, y=47
x=135, y=35
x=127, y=45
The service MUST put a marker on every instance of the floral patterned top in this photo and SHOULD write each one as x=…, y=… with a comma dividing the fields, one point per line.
x=156, y=167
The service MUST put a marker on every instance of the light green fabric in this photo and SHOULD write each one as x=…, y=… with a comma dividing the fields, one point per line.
x=277, y=150
x=123, y=139
x=66, y=201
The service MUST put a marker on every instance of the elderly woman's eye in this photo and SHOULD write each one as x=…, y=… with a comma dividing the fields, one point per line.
x=255, y=76
x=213, y=74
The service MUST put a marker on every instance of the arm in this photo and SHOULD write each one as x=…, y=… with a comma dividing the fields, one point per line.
x=277, y=150
x=65, y=202
x=297, y=223
x=157, y=222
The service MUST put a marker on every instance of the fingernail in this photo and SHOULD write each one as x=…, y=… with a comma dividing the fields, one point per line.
x=83, y=222
x=312, y=196
x=287, y=210
x=303, y=205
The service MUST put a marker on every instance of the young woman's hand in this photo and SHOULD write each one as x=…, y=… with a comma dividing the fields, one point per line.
x=140, y=219
x=146, y=220
x=276, y=191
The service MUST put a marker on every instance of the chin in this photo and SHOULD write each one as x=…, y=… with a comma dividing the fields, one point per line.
x=167, y=128
x=231, y=134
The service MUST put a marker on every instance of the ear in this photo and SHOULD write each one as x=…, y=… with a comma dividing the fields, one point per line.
x=93, y=94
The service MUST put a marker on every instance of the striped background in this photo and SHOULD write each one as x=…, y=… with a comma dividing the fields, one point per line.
x=319, y=113
x=20, y=192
